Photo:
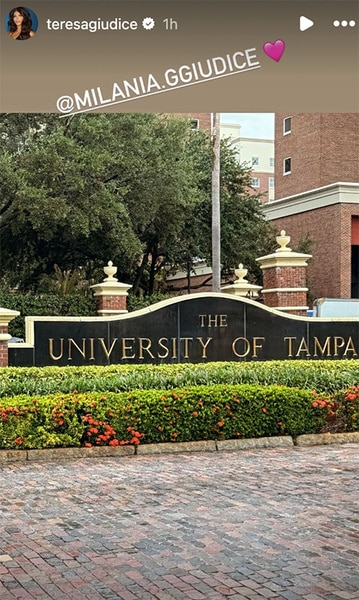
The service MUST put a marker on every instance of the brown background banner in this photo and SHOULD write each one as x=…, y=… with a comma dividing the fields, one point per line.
x=319, y=70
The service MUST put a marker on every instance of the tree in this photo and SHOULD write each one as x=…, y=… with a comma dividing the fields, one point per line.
x=131, y=188
x=245, y=234
x=90, y=188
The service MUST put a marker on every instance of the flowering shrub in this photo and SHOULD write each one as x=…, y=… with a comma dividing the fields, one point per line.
x=151, y=416
x=182, y=414
x=345, y=409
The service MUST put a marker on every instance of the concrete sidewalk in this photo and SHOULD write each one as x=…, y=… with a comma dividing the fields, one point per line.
x=279, y=523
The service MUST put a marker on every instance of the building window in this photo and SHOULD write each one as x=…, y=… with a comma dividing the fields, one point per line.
x=271, y=162
x=255, y=182
x=255, y=161
x=287, y=166
x=287, y=125
x=195, y=124
x=271, y=182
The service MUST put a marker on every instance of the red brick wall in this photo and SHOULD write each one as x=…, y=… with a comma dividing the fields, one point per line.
x=324, y=148
x=284, y=277
x=3, y=348
x=111, y=303
x=263, y=186
x=329, y=271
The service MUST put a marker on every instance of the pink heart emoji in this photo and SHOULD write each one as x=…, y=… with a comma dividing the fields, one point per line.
x=274, y=50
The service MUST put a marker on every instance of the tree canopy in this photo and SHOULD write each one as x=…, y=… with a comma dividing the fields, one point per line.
x=131, y=188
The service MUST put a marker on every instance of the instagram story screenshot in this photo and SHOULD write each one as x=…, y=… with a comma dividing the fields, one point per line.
x=179, y=281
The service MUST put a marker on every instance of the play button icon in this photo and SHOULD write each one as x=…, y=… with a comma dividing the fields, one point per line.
x=305, y=23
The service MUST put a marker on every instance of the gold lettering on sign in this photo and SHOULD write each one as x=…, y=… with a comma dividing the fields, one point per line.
x=144, y=346
x=350, y=348
x=126, y=347
x=106, y=350
x=204, y=345
x=322, y=349
x=71, y=342
x=51, y=349
x=162, y=344
x=186, y=350
x=246, y=347
x=290, y=345
x=257, y=346
x=223, y=321
x=303, y=347
x=92, y=349
x=338, y=343
x=213, y=320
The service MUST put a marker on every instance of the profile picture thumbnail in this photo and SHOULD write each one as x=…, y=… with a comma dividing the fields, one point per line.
x=21, y=23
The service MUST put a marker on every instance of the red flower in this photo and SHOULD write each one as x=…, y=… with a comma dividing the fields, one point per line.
x=88, y=445
x=195, y=413
x=220, y=424
x=264, y=410
x=113, y=443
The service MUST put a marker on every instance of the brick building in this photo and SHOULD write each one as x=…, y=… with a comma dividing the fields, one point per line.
x=199, y=121
x=317, y=196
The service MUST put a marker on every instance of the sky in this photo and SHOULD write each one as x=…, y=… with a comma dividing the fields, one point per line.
x=255, y=125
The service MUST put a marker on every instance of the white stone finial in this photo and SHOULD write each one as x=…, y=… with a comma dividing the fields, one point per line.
x=240, y=272
x=110, y=271
x=283, y=240
x=241, y=287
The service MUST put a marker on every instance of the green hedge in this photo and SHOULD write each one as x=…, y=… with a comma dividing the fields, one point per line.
x=323, y=376
x=182, y=414
x=45, y=304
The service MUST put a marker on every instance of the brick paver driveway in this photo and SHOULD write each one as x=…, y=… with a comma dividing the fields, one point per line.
x=276, y=524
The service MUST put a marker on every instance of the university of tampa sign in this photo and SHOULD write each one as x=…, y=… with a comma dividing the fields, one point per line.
x=194, y=328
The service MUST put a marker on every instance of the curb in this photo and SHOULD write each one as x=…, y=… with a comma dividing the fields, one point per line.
x=306, y=440
x=315, y=439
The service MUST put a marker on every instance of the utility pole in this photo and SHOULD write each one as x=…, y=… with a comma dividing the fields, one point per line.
x=216, y=214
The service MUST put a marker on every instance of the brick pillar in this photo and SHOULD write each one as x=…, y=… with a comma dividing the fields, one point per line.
x=5, y=317
x=284, y=278
x=111, y=295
